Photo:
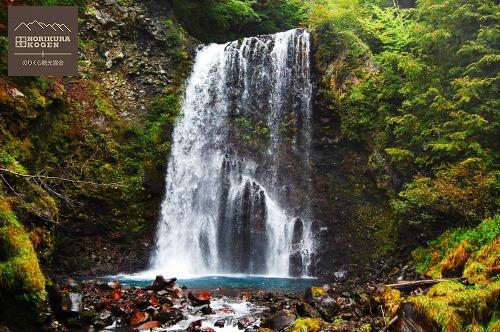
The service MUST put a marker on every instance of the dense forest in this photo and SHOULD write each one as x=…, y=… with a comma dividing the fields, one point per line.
x=405, y=98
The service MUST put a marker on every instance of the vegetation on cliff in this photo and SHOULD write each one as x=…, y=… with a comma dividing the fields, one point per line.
x=418, y=87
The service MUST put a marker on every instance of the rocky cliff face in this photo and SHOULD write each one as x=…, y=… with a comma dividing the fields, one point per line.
x=139, y=57
x=355, y=229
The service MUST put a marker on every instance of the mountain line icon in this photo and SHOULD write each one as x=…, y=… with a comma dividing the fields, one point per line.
x=36, y=24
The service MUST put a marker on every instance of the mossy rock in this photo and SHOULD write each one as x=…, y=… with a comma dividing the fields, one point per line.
x=19, y=269
x=453, y=306
x=307, y=325
x=315, y=292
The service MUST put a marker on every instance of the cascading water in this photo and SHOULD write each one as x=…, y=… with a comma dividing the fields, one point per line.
x=237, y=195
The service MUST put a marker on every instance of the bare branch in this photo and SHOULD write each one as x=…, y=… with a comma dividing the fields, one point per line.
x=57, y=178
x=26, y=204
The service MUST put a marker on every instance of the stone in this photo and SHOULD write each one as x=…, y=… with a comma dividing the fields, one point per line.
x=279, y=320
x=195, y=325
x=296, y=267
x=149, y=325
x=76, y=302
x=15, y=93
x=315, y=294
x=246, y=321
x=104, y=318
x=138, y=317
x=105, y=315
x=305, y=310
x=207, y=329
x=410, y=320
x=117, y=294
x=207, y=310
x=221, y=322
x=245, y=296
x=161, y=283
x=199, y=298
x=328, y=308
x=169, y=315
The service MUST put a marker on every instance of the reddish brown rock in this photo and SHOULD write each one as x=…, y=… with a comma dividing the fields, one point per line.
x=138, y=317
x=200, y=298
x=207, y=329
x=117, y=294
x=150, y=325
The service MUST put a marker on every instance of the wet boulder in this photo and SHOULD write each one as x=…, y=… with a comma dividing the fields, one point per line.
x=113, y=285
x=207, y=310
x=328, y=308
x=221, y=322
x=305, y=310
x=199, y=298
x=195, y=326
x=315, y=294
x=60, y=301
x=296, y=268
x=161, y=283
x=168, y=315
x=138, y=317
x=279, y=320
x=246, y=321
x=104, y=318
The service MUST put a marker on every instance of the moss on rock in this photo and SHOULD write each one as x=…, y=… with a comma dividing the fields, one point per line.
x=454, y=306
x=306, y=325
x=20, y=272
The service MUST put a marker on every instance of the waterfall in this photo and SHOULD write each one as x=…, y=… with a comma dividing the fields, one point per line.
x=238, y=177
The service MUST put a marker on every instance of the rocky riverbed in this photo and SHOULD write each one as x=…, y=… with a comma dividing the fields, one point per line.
x=94, y=305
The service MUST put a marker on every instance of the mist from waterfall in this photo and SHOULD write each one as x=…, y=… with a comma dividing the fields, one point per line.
x=234, y=205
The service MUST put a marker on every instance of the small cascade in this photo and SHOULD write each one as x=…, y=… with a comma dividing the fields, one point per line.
x=238, y=178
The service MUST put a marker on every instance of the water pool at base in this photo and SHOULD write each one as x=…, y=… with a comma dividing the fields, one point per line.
x=228, y=282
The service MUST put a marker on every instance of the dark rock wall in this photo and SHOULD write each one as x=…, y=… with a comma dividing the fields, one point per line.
x=355, y=229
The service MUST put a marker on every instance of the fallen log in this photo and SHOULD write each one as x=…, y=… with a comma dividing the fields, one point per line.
x=406, y=286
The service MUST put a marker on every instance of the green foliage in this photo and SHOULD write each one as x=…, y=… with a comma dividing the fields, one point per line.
x=390, y=25
x=223, y=20
x=419, y=88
